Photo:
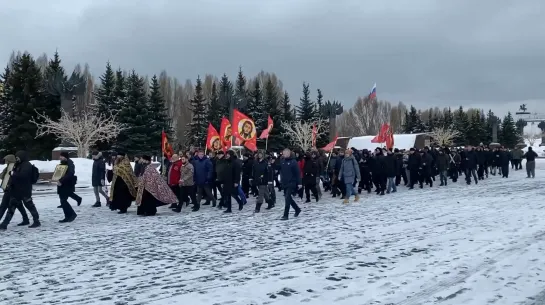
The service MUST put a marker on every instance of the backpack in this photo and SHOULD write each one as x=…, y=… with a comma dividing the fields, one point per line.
x=35, y=174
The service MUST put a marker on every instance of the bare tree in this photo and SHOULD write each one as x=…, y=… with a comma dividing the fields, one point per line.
x=300, y=133
x=443, y=136
x=82, y=131
x=531, y=138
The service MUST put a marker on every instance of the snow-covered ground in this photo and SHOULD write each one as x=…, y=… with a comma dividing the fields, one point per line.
x=471, y=245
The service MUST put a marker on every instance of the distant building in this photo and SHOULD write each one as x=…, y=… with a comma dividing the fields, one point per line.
x=401, y=141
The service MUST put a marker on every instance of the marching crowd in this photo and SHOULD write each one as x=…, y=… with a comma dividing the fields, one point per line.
x=219, y=177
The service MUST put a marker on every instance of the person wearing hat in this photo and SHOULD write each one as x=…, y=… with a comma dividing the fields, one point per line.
x=260, y=180
x=123, y=187
x=66, y=187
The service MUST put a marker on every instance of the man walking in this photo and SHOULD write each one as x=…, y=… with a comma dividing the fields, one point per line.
x=66, y=187
x=290, y=176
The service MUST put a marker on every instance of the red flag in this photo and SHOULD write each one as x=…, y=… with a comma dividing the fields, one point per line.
x=381, y=137
x=265, y=133
x=330, y=146
x=165, y=146
x=390, y=139
x=213, y=140
x=314, y=134
x=244, y=130
x=226, y=134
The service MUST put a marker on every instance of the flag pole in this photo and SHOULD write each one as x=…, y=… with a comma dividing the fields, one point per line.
x=162, y=152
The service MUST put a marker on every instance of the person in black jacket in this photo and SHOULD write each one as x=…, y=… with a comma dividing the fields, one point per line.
x=401, y=172
x=338, y=186
x=426, y=165
x=260, y=179
x=377, y=171
x=414, y=164
x=290, y=176
x=481, y=161
x=366, y=182
x=66, y=188
x=442, y=163
x=98, y=178
x=311, y=171
x=228, y=171
x=390, y=171
x=20, y=186
x=504, y=159
x=247, y=165
x=530, y=157
x=470, y=165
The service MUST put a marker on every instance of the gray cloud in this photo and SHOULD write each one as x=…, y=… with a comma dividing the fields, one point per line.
x=488, y=54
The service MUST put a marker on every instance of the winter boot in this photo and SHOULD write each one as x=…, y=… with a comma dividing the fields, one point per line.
x=33, y=212
x=97, y=204
x=346, y=201
x=357, y=199
x=297, y=213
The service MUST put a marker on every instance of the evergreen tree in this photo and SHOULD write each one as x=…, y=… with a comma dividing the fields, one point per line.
x=198, y=126
x=478, y=130
x=51, y=107
x=306, y=111
x=256, y=108
x=272, y=108
x=105, y=95
x=5, y=104
x=520, y=124
x=225, y=96
x=413, y=122
x=158, y=114
x=461, y=124
x=24, y=95
x=215, y=109
x=323, y=139
x=288, y=113
x=447, y=120
x=509, y=133
x=120, y=92
x=241, y=94
x=134, y=115
x=541, y=126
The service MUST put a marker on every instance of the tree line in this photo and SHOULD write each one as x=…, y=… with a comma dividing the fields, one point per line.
x=145, y=106
x=472, y=126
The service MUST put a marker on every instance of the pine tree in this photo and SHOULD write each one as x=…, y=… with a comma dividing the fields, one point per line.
x=306, y=111
x=225, y=96
x=24, y=95
x=120, y=92
x=241, y=94
x=135, y=139
x=447, y=120
x=288, y=113
x=323, y=139
x=478, y=131
x=461, y=124
x=509, y=133
x=256, y=108
x=198, y=126
x=5, y=104
x=215, y=109
x=520, y=124
x=413, y=122
x=105, y=95
x=158, y=114
x=51, y=107
x=272, y=108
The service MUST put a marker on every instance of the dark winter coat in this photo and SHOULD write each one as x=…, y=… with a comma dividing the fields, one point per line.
x=247, y=168
x=224, y=171
x=290, y=175
x=68, y=181
x=203, y=171
x=365, y=171
x=481, y=157
x=99, y=172
x=338, y=164
x=377, y=167
x=530, y=156
x=21, y=178
x=414, y=162
x=311, y=171
x=470, y=159
x=390, y=165
x=442, y=162
x=426, y=164
x=260, y=172
x=504, y=158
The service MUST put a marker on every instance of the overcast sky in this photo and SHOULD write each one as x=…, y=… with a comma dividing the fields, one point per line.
x=485, y=53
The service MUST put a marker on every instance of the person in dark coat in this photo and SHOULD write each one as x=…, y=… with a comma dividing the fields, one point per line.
x=470, y=165
x=426, y=165
x=481, y=161
x=20, y=184
x=366, y=182
x=413, y=165
x=98, y=178
x=123, y=187
x=390, y=171
x=66, y=186
x=455, y=161
x=138, y=170
x=401, y=172
x=260, y=179
x=377, y=171
x=203, y=177
x=338, y=186
x=228, y=173
x=311, y=170
x=442, y=163
x=530, y=157
x=10, y=161
x=504, y=159
x=290, y=177
x=246, y=172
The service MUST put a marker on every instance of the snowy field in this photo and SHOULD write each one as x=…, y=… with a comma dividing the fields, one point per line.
x=472, y=245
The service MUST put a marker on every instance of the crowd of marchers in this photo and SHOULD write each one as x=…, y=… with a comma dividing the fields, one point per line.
x=220, y=177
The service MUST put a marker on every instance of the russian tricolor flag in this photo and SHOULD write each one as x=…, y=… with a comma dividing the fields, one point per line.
x=373, y=93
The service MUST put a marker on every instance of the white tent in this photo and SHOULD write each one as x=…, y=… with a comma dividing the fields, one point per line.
x=401, y=141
